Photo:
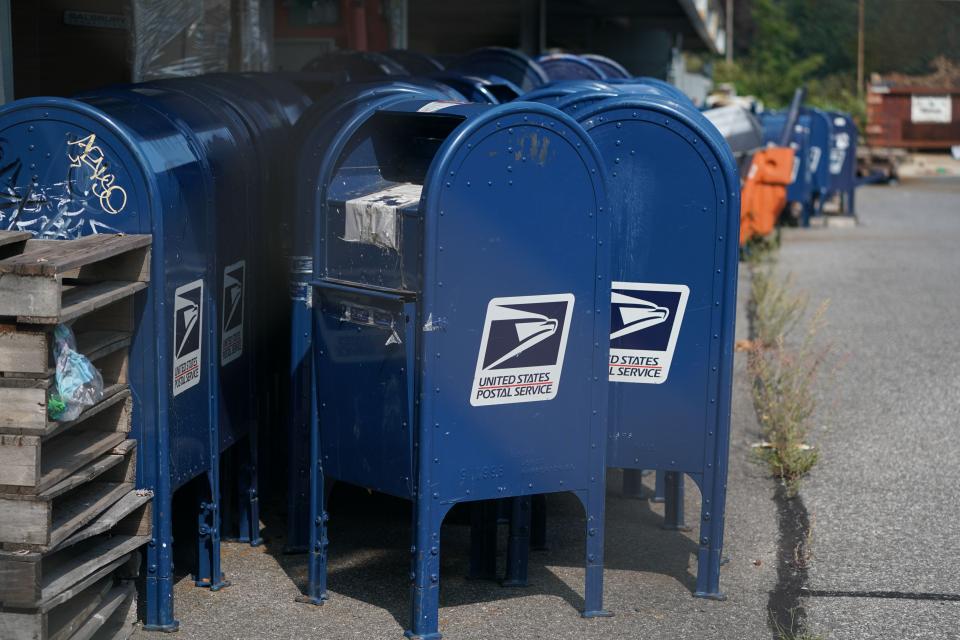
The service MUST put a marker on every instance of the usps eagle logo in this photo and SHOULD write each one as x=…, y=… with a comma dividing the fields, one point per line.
x=645, y=324
x=521, y=349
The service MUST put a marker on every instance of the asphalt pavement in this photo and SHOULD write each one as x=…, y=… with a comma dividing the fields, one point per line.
x=884, y=496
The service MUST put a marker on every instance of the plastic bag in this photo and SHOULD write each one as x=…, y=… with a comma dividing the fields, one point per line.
x=79, y=384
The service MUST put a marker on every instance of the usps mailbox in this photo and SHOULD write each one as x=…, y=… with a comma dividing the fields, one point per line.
x=567, y=66
x=319, y=134
x=818, y=161
x=610, y=68
x=674, y=201
x=456, y=284
x=173, y=160
x=799, y=191
x=843, y=161
x=501, y=62
x=555, y=92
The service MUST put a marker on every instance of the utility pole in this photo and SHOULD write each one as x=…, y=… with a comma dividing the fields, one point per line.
x=860, y=49
x=729, y=45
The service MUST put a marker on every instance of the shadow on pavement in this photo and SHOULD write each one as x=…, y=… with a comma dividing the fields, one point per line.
x=370, y=537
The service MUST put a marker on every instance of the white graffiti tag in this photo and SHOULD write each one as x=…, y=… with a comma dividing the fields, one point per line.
x=112, y=197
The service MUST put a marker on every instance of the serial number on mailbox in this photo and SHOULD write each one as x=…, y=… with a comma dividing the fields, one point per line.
x=488, y=472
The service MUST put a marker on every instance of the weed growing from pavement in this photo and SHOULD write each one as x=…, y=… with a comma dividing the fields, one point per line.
x=784, y=368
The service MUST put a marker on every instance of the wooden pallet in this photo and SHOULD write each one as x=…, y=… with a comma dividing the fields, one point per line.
x=71, y=522
x=53, y=281
x=31, y=464
x=41, y=581
x=26, y=351
x=42, y=522
x=13, y=242
x=101, y=609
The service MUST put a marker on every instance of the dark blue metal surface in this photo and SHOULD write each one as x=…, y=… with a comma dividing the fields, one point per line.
x=610, y=68
x=574, y=103
x=674, y=193
x=414, y=62
x=477, y=89
x=176, y=160
x=799, y=191
x=843, y=161
x=342, y=110
x=406, y=321
x=556, y=91
x=356, y=65
x=567, y=66
x=818, y=161
x=645, y=84
x=509, y=64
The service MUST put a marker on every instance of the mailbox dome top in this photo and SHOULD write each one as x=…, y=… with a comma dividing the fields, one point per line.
x=687, y=121
x=610, y=68
x=567, y=66
x=510, y=64
x=75, y=169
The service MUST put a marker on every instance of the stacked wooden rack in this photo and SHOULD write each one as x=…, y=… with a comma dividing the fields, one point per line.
x=71, y=518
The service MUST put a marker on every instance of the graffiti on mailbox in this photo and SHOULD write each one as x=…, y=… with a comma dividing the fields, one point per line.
x=62, y=209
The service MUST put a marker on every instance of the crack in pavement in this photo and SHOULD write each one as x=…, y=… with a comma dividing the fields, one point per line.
x=785, y=611
x=896, y=595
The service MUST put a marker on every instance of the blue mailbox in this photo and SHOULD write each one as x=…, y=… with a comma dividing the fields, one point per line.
x=485, y=90
x=843, y=161
x=574, y=98
x=557, y=91
x=172, y=159
x=610, y=68
x=574, y=103
x=457, y=284
x=818, y=160
x=674, y=199
x=500, y=62
x=800, y=189
x=356, y=65
x=414, y=62
x=567, y=66
x=318, y=131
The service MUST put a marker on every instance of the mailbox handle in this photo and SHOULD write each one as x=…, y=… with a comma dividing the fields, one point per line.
x=391, y=295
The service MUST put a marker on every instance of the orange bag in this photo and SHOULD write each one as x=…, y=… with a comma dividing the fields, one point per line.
x=764, y=193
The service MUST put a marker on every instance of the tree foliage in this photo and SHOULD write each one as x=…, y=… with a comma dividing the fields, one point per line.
x=775, y=67
x=786, y=43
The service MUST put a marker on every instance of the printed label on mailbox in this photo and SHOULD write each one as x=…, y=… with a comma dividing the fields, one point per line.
x=187, y=335
x=522, y=348
x=231, y=330
x=645, y=321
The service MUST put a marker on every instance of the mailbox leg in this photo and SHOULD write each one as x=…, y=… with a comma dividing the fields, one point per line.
x=593, y=589
x=317, y=568
x=483, y=540
x=300, y=419
x=659, y=491
x=209, y=573
x=538, y=522
x=159, y=581
x=712, y=514
x=673, y=503
x=425, y=590
x=518, y=545
x=633, y=484
x=249, y=500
